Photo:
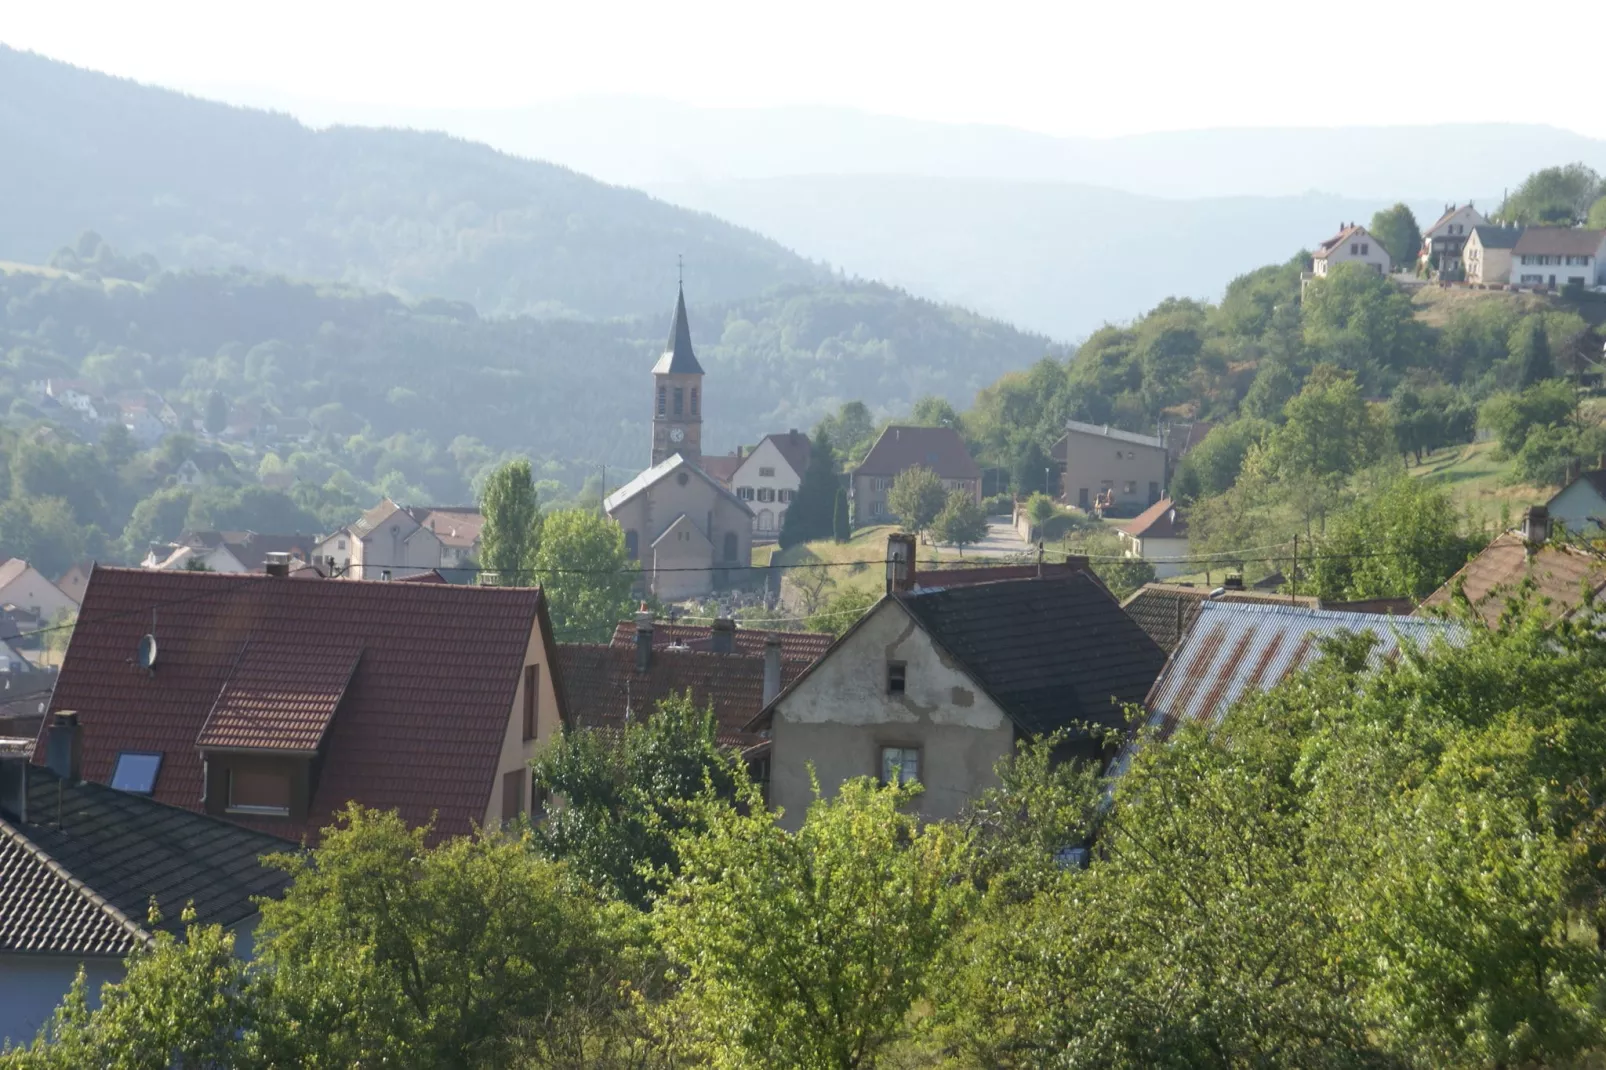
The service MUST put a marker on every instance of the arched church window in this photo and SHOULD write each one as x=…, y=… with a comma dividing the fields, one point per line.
x=730, y=546
x=663, y=394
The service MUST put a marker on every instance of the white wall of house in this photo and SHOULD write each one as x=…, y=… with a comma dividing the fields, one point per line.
x=32, y=985
x=31, y=591
x=217, y=559
x=766, y=482
x=1157, y=551
x=1580, y=507
x=1358, y=248
x=1542, y=269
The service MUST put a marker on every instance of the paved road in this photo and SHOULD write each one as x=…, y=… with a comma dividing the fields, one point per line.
x=1001, y=541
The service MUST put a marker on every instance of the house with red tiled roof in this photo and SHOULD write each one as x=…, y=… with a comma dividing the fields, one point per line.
x=1522, y=563
x=901, y=448
x=1353, y=244
x=273, y=703
x=391, y=541
x=1158, y=535
x=1444, y=240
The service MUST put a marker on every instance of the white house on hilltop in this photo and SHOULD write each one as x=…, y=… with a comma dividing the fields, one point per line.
x=769, y=476
x=1353, y=244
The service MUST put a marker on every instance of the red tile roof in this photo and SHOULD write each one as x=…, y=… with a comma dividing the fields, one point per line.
x=795, y=446
x=421, y=723
x=794, y=645
x=937, y=448
x=1161, y=520
x=722, y=467
x=1559, y=575
x=603, y=689
x=281, y=695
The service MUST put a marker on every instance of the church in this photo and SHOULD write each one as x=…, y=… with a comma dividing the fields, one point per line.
x=689, y=532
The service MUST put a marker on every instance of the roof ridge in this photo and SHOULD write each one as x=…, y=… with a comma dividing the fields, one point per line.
x=43, y=857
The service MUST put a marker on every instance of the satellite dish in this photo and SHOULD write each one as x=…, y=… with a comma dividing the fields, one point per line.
x=147, y=652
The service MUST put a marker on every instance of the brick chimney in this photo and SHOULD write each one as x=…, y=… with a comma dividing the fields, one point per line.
x=643, y=639
x=723, y=640
x=64, y=746
x=772, y=667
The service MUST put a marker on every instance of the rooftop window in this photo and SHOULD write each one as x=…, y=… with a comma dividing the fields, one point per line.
x=136, y=771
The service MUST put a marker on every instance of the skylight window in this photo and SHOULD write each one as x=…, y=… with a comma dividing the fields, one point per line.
x=136, y=772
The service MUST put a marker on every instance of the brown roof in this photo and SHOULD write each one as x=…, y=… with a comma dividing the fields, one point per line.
x=937, y=448
x=963, y=575
x=1352, y=231
x=603, y=689
x=252, y=548
x=795, y=447
x=1165, y=610
x=1190, y=436
x=794, y=645
x=1162, y=520
x=418, y=729
x=11, y=569
x=1559, y=574
x=453, y=525
x=1560, y=241
x=723, y=467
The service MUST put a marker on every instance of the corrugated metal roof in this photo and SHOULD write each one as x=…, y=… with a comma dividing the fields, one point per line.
x=1233, y=649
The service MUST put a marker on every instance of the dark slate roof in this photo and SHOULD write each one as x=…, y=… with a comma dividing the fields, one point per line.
x=795, y=446
x=678, y=359
x=1492, y=237
x=807, y=646
x=1050, y=652
x=603, y=689
x=1165, y=610
x=937, y=448
x=419, y=728
x=77, y=877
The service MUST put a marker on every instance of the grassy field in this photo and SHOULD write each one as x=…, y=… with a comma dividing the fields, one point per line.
x=1435, y=305
x=1481, y=483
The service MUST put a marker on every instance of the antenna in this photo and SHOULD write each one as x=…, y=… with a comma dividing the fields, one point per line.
x=680, y=271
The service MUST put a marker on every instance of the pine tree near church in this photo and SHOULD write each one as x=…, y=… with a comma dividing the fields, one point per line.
x=813, y=512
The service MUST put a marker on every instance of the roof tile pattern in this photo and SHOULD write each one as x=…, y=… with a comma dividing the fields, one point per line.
x=806, y=646
x=1166, y=611
x=45, y=911
x=281, y=695
x=422, y=721
x=1563, y=241
x=1051, y=652
x=603, y=688
x=1162, y=520
x=1559, y=575
x=937, y=448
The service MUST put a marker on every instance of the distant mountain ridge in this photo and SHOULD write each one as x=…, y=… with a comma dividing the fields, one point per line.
x=206, y=185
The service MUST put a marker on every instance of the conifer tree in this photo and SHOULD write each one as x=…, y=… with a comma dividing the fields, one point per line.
x=812, y=514
x=841, y=525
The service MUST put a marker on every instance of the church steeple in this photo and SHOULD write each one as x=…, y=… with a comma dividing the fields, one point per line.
x=677, y=414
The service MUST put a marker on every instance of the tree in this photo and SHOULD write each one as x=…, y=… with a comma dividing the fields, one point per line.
x=841, y=523
x=1213, y=465
x=961, y=521
x=1555, y=196
x=585, y=573
x=1511, y=416
x=807, y=949
x=1597, y=214
x=1329, y=435
x=1040, y=509
x=624, y=797
x=916, y=498
x=812, y=514
x=932, y=411
x=849, y=430
x=511, y=537
x=1401, y=540
x=384, y=950
x=1530, y=352
x=1397, y=229
x=1032, y=470
x=217, y=413
x=838, y=613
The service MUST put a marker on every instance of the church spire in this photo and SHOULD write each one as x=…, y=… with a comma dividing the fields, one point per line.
x=678, y=358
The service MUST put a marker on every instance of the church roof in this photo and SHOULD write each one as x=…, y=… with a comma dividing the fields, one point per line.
x=678, y=359
x=661, y=470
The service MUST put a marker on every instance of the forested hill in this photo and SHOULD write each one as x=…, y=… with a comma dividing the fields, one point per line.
x=205, y=185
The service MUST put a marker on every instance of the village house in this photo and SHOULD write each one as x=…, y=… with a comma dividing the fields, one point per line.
x=273, y=701
x=1559, y=574
x=1555, y=257
x=207, y=468
x=795, y=646
x=1166, y=610
x=391, y=542
x=81, y=864
x=71, y=583
x=936, y=684
x=79, y=397
x=1444, y=240
x=1102, y=467
x=1159, y=535
x=228, y=551
x=1580, y=506
x=691, y=533
x=1353, y=244
x=1487, y=255
x=901, y=448
x=766, y=477
x=25, y=587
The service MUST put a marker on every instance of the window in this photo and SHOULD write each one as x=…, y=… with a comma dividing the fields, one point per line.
x=1366, y=248
x=694, y=401
x=1154, y=492
x=680, y=400
x=1533, y=279
x=255, y=792
x=532, y=700
x=765, y=521
x=766, y=494
x=784, y=495
x=136, y=772
x=384, y=573
x=730, y=546
x=631, y=543
x=682, y=478
x=766, y=472
x=1354, y=248
x=341, y=545
x=662, y=393
x=900, y=763
x=896, y=677
x=512, y=794
x=745, y=493
x=1129, y=487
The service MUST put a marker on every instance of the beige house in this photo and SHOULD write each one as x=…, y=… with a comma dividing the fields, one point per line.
x=692, y=535
x=936, y=686
x=388, y=542
x=25, y=587
x=1556, y=257
x=1487, y=255
x=1353, y=244
x=1103, y=463
x=902, y=448
x=1158, y=535
x=1444, y=241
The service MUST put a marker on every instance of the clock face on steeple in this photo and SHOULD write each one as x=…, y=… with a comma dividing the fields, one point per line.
x=676, y=434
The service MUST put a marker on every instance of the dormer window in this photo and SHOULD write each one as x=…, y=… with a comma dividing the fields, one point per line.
x=259, y=792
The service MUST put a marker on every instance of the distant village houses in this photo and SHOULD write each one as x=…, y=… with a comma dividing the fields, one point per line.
x=1486, y=257
x=1103, y=468
x=1444, y=241
x=900, y=448
x=1353, y=244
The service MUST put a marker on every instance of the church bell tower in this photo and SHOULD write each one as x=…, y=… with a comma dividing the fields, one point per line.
x=677, y=413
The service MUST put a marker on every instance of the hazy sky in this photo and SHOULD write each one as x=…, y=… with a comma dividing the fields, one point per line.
x=1066, y=67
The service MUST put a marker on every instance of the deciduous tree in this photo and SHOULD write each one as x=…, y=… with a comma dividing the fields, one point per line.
x=585, y=572
x=961, y=522
x=511, y=537
x=916, y=498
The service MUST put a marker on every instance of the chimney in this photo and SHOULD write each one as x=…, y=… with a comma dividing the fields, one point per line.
x=64, y=746
x=1535, y=526
x=723, y=641
x=277, y=563
x=643, y=639
x=900, y=561
x=772, y=667
x=1234, y=581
